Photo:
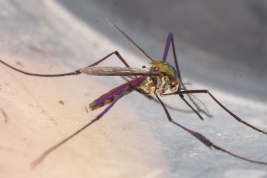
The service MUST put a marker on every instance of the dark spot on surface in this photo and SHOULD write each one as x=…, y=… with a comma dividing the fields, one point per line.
x=30, y=105
x=41, y=51
x=86, y=109
x=5, y=115
x=87, y=94
x=19, y=64
x=61, y=102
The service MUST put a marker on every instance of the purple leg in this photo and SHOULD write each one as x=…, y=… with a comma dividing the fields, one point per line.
x=227, y=110
x=203, y=139
x=43, y=156
x=167, y=46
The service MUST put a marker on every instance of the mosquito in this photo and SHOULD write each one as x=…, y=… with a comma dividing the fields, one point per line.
x=155, y=80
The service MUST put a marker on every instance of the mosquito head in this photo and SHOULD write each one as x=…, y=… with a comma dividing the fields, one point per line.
x=164, y=68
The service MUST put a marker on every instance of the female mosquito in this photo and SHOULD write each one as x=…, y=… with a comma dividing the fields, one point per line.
x=156, y=79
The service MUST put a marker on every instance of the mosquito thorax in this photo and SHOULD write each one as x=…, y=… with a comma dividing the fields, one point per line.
x=167, y=80
x=165, y=68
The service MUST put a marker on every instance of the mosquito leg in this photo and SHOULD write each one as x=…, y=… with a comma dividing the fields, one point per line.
x=175, y=109
x=182, y=96
x=116, y=53
x=203, y=139
x=165, y=54
x=180, y=76
x=167, y=46
x=220, y=104
x=48, y=151
x=41, y=75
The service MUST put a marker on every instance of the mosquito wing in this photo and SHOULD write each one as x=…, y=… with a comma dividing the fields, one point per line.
x=116, y=71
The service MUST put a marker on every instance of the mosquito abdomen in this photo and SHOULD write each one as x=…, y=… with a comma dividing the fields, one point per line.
x=110, y=96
